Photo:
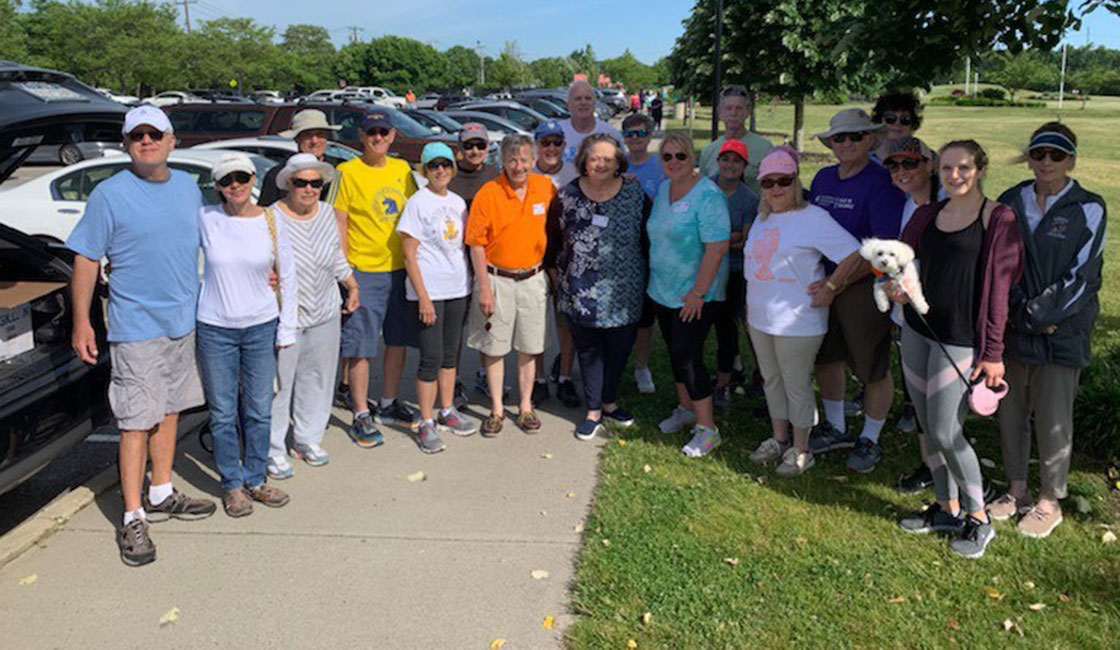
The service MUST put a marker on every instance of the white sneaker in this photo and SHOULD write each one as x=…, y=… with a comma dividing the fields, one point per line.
x=704, y=440
x=680, y=418
x=795, y=462
x=278, y=467
x=644, y=378
x=770, y=449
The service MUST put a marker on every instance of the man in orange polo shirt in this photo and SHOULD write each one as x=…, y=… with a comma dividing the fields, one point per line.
x=506, y=235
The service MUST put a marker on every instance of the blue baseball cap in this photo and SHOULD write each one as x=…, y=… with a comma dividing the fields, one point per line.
x=545, y=129
x=377, y=118
x=436, y=150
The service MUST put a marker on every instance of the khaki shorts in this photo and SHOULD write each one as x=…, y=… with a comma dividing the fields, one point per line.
x=858, y=333
x=519, y=321
x=151, y=379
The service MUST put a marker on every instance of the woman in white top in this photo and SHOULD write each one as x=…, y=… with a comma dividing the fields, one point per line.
x=306, y=370
x=241, y=323
x=438, y=290
x=787, y=302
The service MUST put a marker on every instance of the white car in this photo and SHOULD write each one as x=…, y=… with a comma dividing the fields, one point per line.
x=323, y=95
x=128, y=100
x=172, y=97
x=49, y=206
x=382, y=96
x=278, y=148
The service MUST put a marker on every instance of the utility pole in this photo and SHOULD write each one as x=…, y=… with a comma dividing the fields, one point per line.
x=354, y=29
x=481, y=64
x=187, y=13
x=718, y=71
x=967, y=74
x=1062, y=83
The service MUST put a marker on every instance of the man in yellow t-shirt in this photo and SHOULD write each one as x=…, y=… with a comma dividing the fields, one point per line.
x=372, y=191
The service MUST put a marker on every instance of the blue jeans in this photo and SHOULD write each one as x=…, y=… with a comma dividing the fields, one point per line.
x=233, y=363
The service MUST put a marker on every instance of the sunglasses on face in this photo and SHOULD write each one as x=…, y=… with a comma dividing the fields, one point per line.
x=377, y=130
x=635, y=133
x=781, y=181
x=1055, y=155
x=552, y=142
x=841, y=137
x=680, y=155
x=138, y=135
x=474, y=144
x=304, y=182
x=440, y=163
x=891, y=118
x=235, y=177
x=893, y=165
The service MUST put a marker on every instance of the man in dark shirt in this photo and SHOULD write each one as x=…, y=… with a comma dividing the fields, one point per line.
x=474, y=171
x=311, y=131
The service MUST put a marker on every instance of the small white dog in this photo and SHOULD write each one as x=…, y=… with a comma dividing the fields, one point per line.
x=893, y=260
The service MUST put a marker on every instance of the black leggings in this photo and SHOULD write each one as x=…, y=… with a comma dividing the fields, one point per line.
x=603, y=353
x=686, y=347
x=439, y=342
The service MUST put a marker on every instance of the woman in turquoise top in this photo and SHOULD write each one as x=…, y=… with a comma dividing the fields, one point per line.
x=689, y=234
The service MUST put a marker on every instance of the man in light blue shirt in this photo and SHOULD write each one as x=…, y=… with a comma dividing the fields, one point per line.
x=144, y=220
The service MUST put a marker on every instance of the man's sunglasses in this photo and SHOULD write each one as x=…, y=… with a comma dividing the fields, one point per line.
x=304, y=182
x=138, y=135
x=891, y=118
x=781, y=181
x=474, y=144
x=680, y=155
x=910, y=164
x=1042, y=152
x=552, y=142
x=235, y=177
x=635, y=133
x=439, y=163
x=840, y=137
x=378, y=130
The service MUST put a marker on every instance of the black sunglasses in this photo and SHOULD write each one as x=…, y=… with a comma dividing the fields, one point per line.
x=138, y=135
x=234, y=177
x=635, y=133
x=474, y=144
x=438, y=163
x=378, y=130
x=304, y=182
x=782, y=181
x=1042, y=152
x=552, y=142
x=892, y=165
x=891, y=118
x=840, y=137
x=680, y=155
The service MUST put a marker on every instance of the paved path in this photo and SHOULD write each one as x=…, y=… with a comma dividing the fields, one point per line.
x=361, y=557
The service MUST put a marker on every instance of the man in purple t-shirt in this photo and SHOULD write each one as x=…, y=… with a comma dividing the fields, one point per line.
x=859, y=196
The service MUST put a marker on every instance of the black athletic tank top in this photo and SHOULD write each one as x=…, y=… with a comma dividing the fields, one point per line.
x=950, y=273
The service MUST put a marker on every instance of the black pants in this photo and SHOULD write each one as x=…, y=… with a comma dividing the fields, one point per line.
x=603, y=353
x=439, y=342
x=686, y=347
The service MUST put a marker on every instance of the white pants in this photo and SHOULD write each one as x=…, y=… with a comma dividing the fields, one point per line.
x=786, y=364
x=306, y=377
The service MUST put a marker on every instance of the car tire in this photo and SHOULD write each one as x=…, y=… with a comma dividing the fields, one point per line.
x=69, y=154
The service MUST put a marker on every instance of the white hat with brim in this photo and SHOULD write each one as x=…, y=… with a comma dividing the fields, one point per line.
x=233, y=162
x=303, y=162
x=309, y=119
x=849, y=120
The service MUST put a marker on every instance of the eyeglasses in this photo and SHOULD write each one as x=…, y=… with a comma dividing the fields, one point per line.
x=551, y=142
x=635, y=133
x=304, y=182
x=1040, y=153
x=378, y=130
x=474, y=144
x=235, y=177
x=840, y=137
x=138, y=135
x=781, y=181
x=680, y=155
x=438, y=163
x=891, y=118
x=893, y=165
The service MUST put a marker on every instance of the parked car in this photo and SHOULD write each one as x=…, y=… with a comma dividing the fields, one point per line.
x=48, y=207
x=278, y=149
x=427, y=100
x=436, y=121
x=519, y=114
x=196, y=123
x=448, y=99
x=493, y=123
x=546, y=107
x=170, y=98
x=222, y=95
x=615, y=97
x=127, y=100
x=322, y=95
x=381, y=96
x=267, y=97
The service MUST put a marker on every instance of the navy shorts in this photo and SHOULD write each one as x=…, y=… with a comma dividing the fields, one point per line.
x=383, y=314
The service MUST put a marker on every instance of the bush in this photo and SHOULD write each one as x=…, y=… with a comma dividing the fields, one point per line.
x=1096, y=430
x=993, y=93
x=986, y=101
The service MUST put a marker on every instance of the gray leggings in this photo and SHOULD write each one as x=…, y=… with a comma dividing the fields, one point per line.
x=941, y=407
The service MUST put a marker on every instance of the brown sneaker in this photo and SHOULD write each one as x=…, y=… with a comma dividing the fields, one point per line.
x=237, y=503
x=1007, y=506
x=268, y=495
x=1039, y=523
x=492, y=426
x=179, y=506
x=529, y=422
x=134, y=543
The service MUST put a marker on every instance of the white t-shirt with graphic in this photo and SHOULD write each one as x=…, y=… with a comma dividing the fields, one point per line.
x=438, y=223
x=782, y=257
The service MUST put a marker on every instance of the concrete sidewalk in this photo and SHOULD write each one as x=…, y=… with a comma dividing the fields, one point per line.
x=361, y=557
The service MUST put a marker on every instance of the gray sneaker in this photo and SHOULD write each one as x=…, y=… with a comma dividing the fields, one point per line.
x=825, y=437
x=974, y=539
x=934, y=519
x=137, y=548
x=865, y=456
x=679, y=419
x=455, y=423
x=428, y=438
x=179, y=506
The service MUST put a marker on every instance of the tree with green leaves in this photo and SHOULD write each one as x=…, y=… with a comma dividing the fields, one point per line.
x=13, y=39
x=509, y=70
x=307, y=56
x=628, y=70
x=462, y=67
x=586, y=63
x=401, y=64
x=1025, y=70
x=234, y=54
x=552, y=71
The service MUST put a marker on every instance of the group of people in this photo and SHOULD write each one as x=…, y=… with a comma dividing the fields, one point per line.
x=333, y=267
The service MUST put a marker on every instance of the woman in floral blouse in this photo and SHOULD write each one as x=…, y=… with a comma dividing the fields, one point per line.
x=597, y=257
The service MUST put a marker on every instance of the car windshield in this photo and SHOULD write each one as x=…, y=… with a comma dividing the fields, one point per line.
x=341, y=152
x=407, y=126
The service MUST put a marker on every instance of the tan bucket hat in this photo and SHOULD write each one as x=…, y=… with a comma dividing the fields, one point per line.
x=309, y=119
x=849, y=120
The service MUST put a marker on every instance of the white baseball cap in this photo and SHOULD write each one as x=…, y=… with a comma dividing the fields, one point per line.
x=233, y=162
x=146, y=114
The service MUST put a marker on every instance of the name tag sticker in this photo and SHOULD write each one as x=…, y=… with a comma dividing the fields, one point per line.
x=680, y=207
x=599, y=220
x=538, y=208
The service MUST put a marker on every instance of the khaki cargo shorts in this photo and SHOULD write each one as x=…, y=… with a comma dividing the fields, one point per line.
x=519, y=321
x=151, y=379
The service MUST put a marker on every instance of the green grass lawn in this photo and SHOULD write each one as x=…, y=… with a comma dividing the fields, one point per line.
x=723, y=554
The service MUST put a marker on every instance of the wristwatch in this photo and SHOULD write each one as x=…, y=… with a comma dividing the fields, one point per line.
x=832, y=287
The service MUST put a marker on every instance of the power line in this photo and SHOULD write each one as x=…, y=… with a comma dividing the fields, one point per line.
x=187, y=12
x=354, y=29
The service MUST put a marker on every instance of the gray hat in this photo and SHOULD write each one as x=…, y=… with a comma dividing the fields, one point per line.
x=849, y=120
x=309, y=119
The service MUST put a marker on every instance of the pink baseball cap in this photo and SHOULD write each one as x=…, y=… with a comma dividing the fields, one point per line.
x=779, y=160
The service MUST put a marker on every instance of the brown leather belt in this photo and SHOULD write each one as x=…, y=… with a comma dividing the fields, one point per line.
x=516, y=276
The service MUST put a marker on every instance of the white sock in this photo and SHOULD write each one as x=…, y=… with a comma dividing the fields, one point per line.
x=447, y=411
x=542, y=380
x=481, y=372
x=563, y=378
x=361, y=413
x=157, y=493
x=130, y=517
x=386, y=402
x=429, y=421
x=738, y=365
x=872, y=428
x=834, y=413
